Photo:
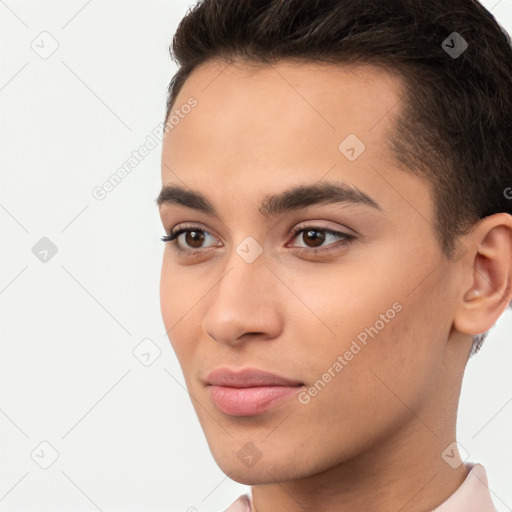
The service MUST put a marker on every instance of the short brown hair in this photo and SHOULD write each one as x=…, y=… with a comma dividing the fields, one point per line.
x=455, y=124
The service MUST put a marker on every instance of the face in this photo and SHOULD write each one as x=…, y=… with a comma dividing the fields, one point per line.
x=342, y=289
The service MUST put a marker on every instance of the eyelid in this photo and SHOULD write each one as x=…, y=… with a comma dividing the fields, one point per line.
x=345, y=238
x=317, y=224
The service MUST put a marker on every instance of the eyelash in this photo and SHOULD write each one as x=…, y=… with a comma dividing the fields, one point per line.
x=171, y=239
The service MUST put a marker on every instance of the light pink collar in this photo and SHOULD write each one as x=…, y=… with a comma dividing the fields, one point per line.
x=472, y=496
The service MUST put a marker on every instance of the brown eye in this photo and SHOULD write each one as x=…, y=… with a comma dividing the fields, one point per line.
x=194, y=239
x=189, y=241
x=313, y=237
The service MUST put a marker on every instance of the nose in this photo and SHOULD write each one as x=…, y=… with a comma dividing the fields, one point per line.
x=245, y=303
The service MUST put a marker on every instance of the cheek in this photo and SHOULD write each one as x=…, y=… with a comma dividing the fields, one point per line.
x=175, y=304
x=167, y=297
x=369, y=330
x=342, y=304
x=179, y=291
x=398, y=363
x=365, y=399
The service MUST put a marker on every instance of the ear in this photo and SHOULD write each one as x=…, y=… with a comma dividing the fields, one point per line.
x=487, y=267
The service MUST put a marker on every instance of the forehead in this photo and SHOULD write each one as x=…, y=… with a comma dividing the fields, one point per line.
x=259, y=128
x=325, y=90
x=248, y=110
x=286, y=76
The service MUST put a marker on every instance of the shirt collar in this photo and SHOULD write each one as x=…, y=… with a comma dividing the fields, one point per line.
x=472, y=496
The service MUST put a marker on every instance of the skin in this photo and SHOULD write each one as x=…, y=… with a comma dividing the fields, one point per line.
x=372, y=438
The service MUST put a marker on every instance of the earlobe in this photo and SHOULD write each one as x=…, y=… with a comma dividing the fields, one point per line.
x=487, y=266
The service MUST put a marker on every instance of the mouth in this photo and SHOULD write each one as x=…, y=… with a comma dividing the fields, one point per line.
x=250, y=391
x=249, y=401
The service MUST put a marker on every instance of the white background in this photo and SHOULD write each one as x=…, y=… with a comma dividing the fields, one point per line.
x=126, y=434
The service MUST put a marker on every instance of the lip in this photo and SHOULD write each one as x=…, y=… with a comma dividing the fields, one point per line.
x=248, y=377
x=250, y=391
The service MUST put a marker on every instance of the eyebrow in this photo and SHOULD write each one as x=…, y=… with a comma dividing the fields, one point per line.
x=295, y=198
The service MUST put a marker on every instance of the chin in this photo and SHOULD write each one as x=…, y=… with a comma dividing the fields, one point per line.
x=258, y=476
x=249, y=477
x=264, y=471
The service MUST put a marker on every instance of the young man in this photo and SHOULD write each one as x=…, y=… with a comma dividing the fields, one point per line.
x=337, y=201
